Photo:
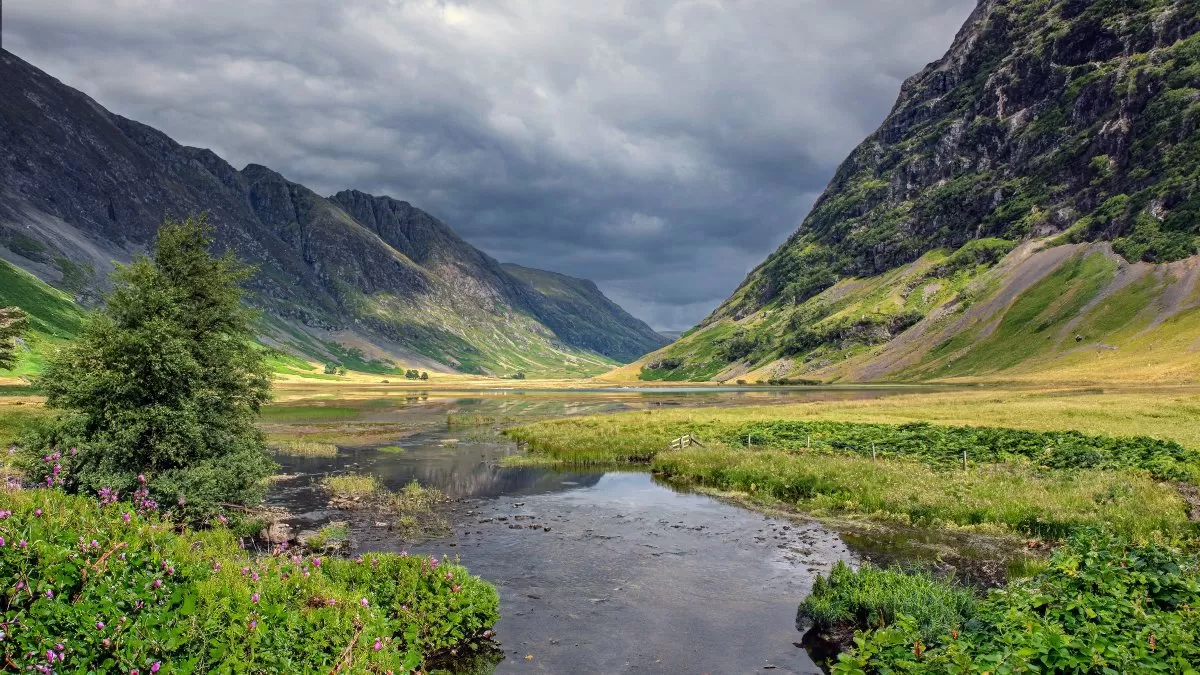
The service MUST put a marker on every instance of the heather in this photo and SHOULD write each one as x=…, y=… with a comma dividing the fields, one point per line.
x=92, y=586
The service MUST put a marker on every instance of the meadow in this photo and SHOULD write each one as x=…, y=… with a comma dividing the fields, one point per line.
x=1037, y=463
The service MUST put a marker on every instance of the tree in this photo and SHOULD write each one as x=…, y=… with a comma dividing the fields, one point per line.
x=161, y=391
x=424, y=375
x=13, y=322
x=331, y=368
x=411, y=374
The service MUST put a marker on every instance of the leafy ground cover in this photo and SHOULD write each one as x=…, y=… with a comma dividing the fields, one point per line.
x=88, y=587
x=944, y=446
x=1101, y=605
x=872, y=597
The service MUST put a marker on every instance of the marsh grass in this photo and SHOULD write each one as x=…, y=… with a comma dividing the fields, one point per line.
x=416, y=510
x=1015, y=497
x=872, y=597
x=1165, y=413
x=329, y=534
x=298, y=448
x=391, y=448
x=354, y=486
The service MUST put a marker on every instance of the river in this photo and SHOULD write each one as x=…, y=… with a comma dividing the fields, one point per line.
x=598, y=571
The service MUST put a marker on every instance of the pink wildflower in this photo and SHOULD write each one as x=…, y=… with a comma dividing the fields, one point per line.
x=363, y=602
x=254, y=598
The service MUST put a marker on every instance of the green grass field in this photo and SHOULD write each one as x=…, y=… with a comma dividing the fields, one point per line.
x=857, y=457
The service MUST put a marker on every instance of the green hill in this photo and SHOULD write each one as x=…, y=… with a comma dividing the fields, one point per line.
x=54, y=317
x=1033, y=196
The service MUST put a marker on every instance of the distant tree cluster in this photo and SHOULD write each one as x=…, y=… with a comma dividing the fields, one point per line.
x=413, y=374
x=335, y=369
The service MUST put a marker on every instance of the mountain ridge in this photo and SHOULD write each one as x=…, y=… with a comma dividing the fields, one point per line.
x=1048, y=123
x=83, y=187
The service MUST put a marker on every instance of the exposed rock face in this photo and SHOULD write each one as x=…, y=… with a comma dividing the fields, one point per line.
x=80, y=187
x=1067, y=121
x=1044, y=115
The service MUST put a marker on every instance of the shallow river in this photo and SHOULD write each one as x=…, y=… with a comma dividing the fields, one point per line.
x=598, y=572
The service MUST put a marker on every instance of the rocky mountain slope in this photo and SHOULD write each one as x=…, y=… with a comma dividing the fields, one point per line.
x=352, y=277
x=1052, y=151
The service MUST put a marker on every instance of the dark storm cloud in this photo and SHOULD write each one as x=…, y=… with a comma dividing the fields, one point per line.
x=659, y=147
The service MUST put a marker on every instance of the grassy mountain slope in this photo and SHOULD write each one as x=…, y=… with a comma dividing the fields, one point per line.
x=581, y=314
x=351, y=277
x=1049, y=125
x=54, y=317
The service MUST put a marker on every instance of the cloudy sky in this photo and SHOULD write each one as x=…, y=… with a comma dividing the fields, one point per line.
x=659, y=147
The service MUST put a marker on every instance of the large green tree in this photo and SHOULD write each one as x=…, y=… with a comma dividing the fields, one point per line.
x=13, y=323
x=161, y=391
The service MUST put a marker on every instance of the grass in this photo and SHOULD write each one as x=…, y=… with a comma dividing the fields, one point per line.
x=917, y=480
x=872, y=597
x=115, y=595
x=352, y=486
x=54, y=317
x=1168, y=413
x=311, y=413
x=416, y=511
x=15, y=419
x=395, y=449
x=298, y=448
x=1012, y=497
x=329, y=534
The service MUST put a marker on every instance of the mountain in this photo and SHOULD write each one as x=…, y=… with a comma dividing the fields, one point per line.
x=1030, y=203
x=353, y=278
x=581, y=315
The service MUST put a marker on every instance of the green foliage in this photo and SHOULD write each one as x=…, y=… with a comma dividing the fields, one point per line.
x=872, y=597
x=412, y=374
x=13, y=323
x=942, y=447
x=331, y=368
x=1103, y=605
x=424, y=375
x=164, y=383
x=53, y=317
x=102, y=589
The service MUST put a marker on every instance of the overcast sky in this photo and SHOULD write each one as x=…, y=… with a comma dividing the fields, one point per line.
x=659, y=147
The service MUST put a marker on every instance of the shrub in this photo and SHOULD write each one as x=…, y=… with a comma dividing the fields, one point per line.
x=164, y=382
x=13, y=322
x=1102, y=605
x=872, y=598
x=92, y=588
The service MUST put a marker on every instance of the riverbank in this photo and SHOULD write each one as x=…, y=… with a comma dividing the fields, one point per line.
x=881, y=459
x=93, y=586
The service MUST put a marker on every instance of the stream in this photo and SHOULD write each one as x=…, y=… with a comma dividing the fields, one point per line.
x=598, y=571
